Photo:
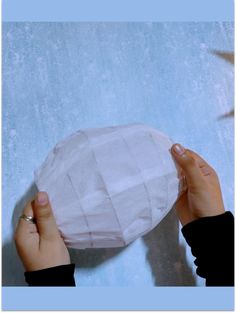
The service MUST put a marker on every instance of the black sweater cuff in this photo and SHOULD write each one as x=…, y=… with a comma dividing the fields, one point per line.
x=212, y=243
x=62, y=275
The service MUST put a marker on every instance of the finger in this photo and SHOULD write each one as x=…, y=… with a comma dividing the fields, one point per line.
x=198, y=158
x=45, y=220
x=206, y=169
x=189, y=165
x=24, y=226
x=182, y=186
x=184, y=214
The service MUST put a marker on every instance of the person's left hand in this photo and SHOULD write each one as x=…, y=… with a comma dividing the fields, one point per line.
x=39, y=244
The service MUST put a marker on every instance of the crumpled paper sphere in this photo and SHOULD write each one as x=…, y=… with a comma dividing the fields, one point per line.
x=109, y=186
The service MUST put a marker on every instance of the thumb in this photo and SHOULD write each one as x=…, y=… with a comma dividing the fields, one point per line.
x=43, y=214
x=189, y=165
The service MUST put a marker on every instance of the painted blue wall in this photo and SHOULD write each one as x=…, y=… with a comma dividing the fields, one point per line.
x=60, y=77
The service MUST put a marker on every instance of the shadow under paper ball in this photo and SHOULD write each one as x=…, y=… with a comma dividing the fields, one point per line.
x=166, y=256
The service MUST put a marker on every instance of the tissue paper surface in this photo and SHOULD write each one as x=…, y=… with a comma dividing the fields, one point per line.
x=109, y=186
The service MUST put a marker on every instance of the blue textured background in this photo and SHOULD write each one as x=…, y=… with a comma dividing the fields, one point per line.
x=60, y=77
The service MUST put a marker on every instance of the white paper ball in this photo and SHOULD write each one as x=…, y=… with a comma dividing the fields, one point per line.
x=109, y=186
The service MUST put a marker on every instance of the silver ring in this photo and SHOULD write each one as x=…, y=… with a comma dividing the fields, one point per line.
x=28, y=218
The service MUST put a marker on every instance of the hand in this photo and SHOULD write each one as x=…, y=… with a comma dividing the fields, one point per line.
x=40, y=245
x=202, y=196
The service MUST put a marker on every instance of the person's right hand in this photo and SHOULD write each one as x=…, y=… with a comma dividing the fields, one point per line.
x=202, y=196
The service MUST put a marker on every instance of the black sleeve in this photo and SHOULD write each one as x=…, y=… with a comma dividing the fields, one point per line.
x=62, y=275
x=212, y=243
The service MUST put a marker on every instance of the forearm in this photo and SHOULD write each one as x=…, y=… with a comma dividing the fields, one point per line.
x=212, y=243
x=59, y=276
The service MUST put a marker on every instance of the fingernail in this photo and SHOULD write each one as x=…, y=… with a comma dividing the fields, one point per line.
x=179, y=149
x=42, y=198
